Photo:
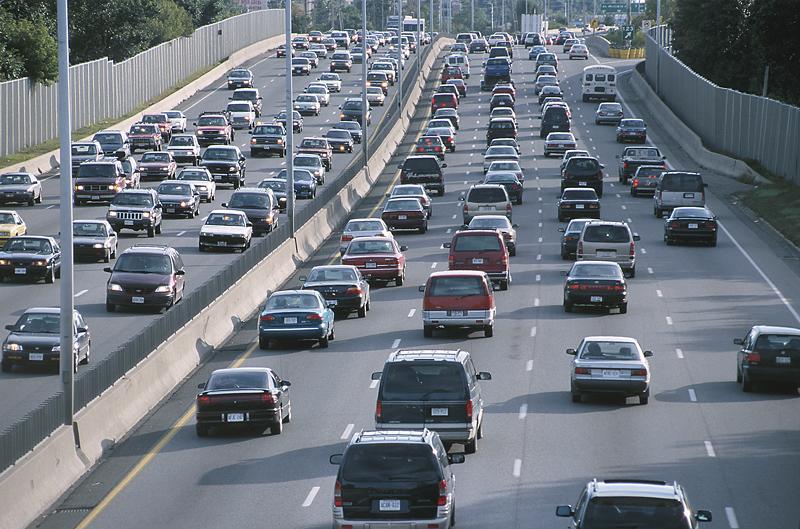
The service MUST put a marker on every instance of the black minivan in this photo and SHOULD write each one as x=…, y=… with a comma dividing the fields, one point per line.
x=555, y=119
x=394, y=478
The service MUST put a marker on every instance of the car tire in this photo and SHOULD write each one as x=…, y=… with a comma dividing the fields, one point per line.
x=632, y=272
x=32, y=201
x=656, y=212
x=471, y=447
x=263, y=343
x=576, y=396
x=424, y=228
x=201, y=248
x=158, y=229
x=427, y=331
x=747, y=384
x=51, y=276
x=712, y=242
x=633, y=192
x=201, y=430
x=488, y=331
x=399, y=280
x=567, y=307
x=6, y=366
x=644, y=397
x=512, y=251
x=504, y=284
x=623, y=308
x=151, y=232
x=110, y=307
x=362, y=311
x=276, y=428
x=738, y=375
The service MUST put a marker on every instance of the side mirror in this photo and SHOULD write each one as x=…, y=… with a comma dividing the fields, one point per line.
x=302, y=278
x=194, y=123
x=330, y=304
x=602, y=166
x=571, y=352
x=421, y=288
x=224, y=204
x=201, y=385
x=285, y=383
x=484, y=375
x=180, y=272
x=444, y=165
x=636, y=237
x=399, y=166
x=496, y=287
x=83, y=329
x=376, y=375
x=738, y=341
x=336, y=459
x=446, y=245
x=648, y=354
x=515, y=226
x=564, y=273
x=11, y=328
x=107, y=269
x=561, y=229
x=705, y=185
x=702, y=516
x=403, y=248
x=456, y=459
x=249, y=224
x=564, y=511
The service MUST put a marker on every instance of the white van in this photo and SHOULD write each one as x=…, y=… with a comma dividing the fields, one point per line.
x=599, y=82
x=458, y=59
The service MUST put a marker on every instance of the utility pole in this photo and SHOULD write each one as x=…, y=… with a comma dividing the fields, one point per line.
x=472, y=14
x=289, y=121
x=399, y=57
x=364, y=102
x=66, y=299
x=503, y=14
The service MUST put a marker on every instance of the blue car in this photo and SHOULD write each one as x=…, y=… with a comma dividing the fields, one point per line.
x=305, y=184
x=296, y=315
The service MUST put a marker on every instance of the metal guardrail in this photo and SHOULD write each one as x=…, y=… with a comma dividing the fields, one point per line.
x=745, y=126
x=22, y=436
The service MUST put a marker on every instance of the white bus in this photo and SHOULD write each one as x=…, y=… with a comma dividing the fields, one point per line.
x=410, y=24
x=599, y=82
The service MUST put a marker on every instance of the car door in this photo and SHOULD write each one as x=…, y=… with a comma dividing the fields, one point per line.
x=474, y=390
x=82, y=338
x=281, y=392
x=177, y=265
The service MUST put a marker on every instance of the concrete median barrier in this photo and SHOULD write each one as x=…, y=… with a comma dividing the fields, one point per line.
x=37, y=480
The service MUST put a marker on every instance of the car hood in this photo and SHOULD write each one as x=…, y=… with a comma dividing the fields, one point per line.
x=88, y=240
x=224, y=230
x=16, y=187
x=138, y=280
x=174, y=198
x=24, y=255
x=31, y=340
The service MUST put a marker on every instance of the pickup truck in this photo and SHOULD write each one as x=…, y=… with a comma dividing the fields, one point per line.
x=497, y=69
x=98, y=181
x=633, y=157
x=425, y=170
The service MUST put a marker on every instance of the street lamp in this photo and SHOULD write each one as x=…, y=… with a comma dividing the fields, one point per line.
x=289, y=122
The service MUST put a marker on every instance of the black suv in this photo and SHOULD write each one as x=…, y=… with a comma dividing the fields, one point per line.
x=146, y=276
x=583, y=171
x=632, y=503
x=136, y=209
x=260, y=206
x=268, y=139
x=434, y=389
x=393, y=476
x=425, y=170
x=501, y=128
x=226, y=163
x=351, y=111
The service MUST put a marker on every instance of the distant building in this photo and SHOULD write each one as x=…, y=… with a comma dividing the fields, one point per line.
x=252, y=5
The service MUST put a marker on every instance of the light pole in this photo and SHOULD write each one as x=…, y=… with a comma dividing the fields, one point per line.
x=289, y=122
x=491, y=23
x=472, y=14
x=364, y=102
x=419, y=28
x=66, y=299
x=400, y=57
x=503, y=14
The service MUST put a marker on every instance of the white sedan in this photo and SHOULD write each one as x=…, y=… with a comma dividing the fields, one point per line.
x=579, y=51
x=332, y=80
x=202, y=180
x=367, y=227
x=177, y=119
x=226, y=229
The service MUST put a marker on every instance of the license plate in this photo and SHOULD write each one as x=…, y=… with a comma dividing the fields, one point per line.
x=486, y=208
x=477, y=261
x=20, y=271
x=688, y=195
x=601, y=253
x=289, y=320
x=389, y=505
x=217, y=177
x=579, y=206
x=137, y=299
x=610, y=373
x=581, y=183
x=439, y=412
x=596, y=299
x=235, y=417
x=128, y=223
x=170, y=210
x=333, y=302
x=37, y=357
x=372, y=265
x=783, y=360
x=461, y=313
x=692, y=226
x=222, y=243
x=95, y=197
x=402, y=217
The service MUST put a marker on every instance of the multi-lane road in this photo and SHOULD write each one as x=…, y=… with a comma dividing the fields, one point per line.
x=736, y=453
x=23, y=390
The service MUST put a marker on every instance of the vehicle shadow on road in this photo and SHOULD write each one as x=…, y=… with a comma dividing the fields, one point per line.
x=728, y=391
x=557, y=403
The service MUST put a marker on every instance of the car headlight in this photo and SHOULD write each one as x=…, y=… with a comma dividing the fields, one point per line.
x=112, y=213
x=232, y=169
x=78, y=188
x=252, y=141
x=5, y=262
x=56, y=348
x=12, y=347
x=183, y=204
x=39, y=263
x=98, y=245
x=280, y=142
x=115, y=287
x=164, y=288
x=145, y=214
x=202, y=188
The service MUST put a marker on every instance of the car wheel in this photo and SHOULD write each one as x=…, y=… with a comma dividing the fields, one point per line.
x=656, y=212
x=110, y=307
x=398, y=281
x=633, y=192
x=427, y=331
x=362, y=311
x=324, y=341
x=504, y=284
x=6, y=366
x=644, y=397
x=512, y=251
x=623, y=308
x=107, y=257
x=470, y=447
x=632, y=272
x=567, y=307
x=51, y=276
x=158, y=228
x=201, y=430
x=276, y=428
x=738, y=375
x=747, y=385
x=31, y=201
x=424, y=228
x=151, y=232
x=488, y=331
x=288, y=417
x=201, y=248
x=712, y=242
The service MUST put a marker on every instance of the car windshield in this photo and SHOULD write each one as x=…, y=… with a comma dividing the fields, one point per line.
x=456, y=286
x=386, y=462
x=560, y=136
x=14, y=179
x=329, y=77
x=307, y=161
x=231, y=380
x=82, y=150
x=182, y=140
x=133, y=199
x=583, y=165
x=375, y=90
x=140, y=263
x=501, y=124
x=351, y=105
x=489, y=223
x=576, y=226
x=600, y=350
x=250, y=200
x=332, y=274
x=154, y=118
x=239, y=73
x=194, y=175
x=348, y=125
x=364, y=225
x=225, y=219
x=239, y=107
x=212, y=121
x=487, y=194
x=174, y=189
x=777, y=342
x=93, y=170
x=26, y=245
x=367, y=247
x=89, y=229
x=269, y=129
x=220, y=154
x=635, y=512
x=579, y=194
x=114, y=140
x=338, y=134
x=155, y=157
x=605, y=271
x=309, y=143
x=632, y=123
x=639, y=152
x=501, y=178
x=39, y=323
x=293, y=301
x=307, y=98
x=316, y=90
x=477, y=243
x=275, y=185
x=423, y=381
x=403, y=204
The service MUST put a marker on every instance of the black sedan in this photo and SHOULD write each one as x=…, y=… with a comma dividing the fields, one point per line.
x=342, y=286
x=595, y=284
x=501, y=100
x=254, y=397
x=578, y=202
x=31, y=257
x=691, y=224
x=340, y=140
x=94, y=240
x=179, y=198
x=569, y=239
x=633, y=130
x=34, y=340
x=508, y=180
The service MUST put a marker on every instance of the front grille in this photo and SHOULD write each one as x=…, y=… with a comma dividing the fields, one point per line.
x=129, y=215
x=138, y=291
x=95, y=187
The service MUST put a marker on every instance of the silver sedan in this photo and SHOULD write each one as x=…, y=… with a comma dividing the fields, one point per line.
x=611, y=365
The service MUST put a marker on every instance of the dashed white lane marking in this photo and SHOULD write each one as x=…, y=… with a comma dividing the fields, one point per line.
x=311, y=495
x=538, y=277
x=347, y=431
x=692, y=395
x=679, y=352
x=533, y=329
x=659, y=293
x=529, y=365
x=628, y=220
x=395, y=343
x=449, y=230
x=644, y=250
x=373, y=384
x=180, y=233
x=465, y=182
x=454, y=216
x=540, y=199
x=82, y=292
x=733, y=523
x=618, y=195
x=540, y=239
x=411, y=312
x=540, y=224
x=51, y=206
x=523, y=411
x=536, y=302
x=649, y=270
x=517, y=468
x=539, y=257
x=624, y=206
x=710, y=449
x=433, y=265
x=669, y=320
x=204, y=218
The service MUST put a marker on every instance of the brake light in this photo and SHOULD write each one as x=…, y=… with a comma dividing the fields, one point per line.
x=635, y=182
x=203, y=400
x=337, y=494
x=354, y=291
x=267, y=317
x=314, y=317
x=752, y=358
x=580, y=247
x=618, y=288
x=581, y=371
x=508, y=207
x=674, y=224
x=346, y=238
x=267, y=398
x=625, y=165
x=438, y=149
x=378, y=409
x=469, y=410
x=639, y=372
x=573, y=286
x=633, y=249
x=442, y=494
x=451, y=261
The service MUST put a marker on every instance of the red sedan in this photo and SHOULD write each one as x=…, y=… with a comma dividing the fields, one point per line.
x=377, y=258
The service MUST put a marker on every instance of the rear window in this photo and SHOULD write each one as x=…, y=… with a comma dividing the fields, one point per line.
x=580, y=194
x=423, y=381
x=477, y=243
x=596, y=270
x=501, y=125
x=363, y=225
x=682, y=182
x=487, y=194
x=606, y=233
x=385, y=462
x=241, y=380
x=456, y=286
x=583, y=165
x=556, y=114
x=421, y=166
x=777, y=342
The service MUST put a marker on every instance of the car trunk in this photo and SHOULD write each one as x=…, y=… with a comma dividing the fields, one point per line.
x=391, y=500
x=290, y=319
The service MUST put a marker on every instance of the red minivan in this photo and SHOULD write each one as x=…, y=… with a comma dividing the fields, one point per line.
x=461, y=299
x=442, y=100
x=482, y=250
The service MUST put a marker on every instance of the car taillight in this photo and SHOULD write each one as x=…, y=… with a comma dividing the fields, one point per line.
x=267, y=398
x=639, y=372
x=314, y=317
x=378, y=409
x=581, y=371
x=635, y=182
x=442, y=494
x=267, y=317
x=203, y=400
x=573, y=286
x=674, y=224
x=438, y=149
x=346, y=238
x=632, y=249
x=451, y=261
x=353, y=291
x=508, y=207
x=337, y=494
x=580, y=246
x=625, y=165
x=618, y=287
x=469, y=410
x=752, y=358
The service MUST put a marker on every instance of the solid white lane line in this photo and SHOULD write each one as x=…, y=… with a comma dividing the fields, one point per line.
x=311, y=495
x=180, y=233
x=433, y=265
x=51, y=206
x=659, y=293
x=523, y=411
x=669, y=320
x=538, y=277
x=533, y=331
x=82, y=292
x=347, y=431
x=373, y=384
x=692, y=395
x=395, y=343
x=529, y=365
x=679, y=352
x=649, y=270
x=733, y=523
x=517, y=468
x=411, y=312
x=710, y=449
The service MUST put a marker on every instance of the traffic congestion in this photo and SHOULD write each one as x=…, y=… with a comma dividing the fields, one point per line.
x=497, y=309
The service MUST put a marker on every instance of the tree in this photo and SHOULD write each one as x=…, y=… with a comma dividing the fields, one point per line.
x=27, y=49
x=767, y=20
x=204, y=12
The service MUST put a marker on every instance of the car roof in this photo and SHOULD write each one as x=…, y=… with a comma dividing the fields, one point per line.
x=457, y=273
x=475, y=233
x=227, y=212
x=392, y=436
x=45, y=310
x=604, y=338
x=774, y=329
x=411, y=355
x=234, y=370
x=334, y=267
x=149, y=248
x=634, y=488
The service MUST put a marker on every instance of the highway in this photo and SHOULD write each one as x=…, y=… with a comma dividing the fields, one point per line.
x=736, y=453
x=22, y=390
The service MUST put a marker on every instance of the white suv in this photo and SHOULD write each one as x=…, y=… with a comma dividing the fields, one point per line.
x=604, y=240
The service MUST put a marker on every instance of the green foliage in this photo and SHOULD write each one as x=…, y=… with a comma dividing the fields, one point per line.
x=27, y=49
x=769, y=18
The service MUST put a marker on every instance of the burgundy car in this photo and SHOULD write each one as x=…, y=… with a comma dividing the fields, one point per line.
x=377, y=258
x=405, y=214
